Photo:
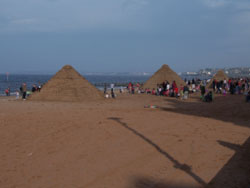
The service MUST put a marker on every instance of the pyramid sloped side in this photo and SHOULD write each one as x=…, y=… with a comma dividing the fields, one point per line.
x=163, y=74
x=220, y=75
x=68, y=85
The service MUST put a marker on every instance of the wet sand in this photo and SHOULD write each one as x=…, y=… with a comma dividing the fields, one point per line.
x=119, y=143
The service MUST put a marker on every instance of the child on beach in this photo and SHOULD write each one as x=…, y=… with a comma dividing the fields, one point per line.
x=17, y=94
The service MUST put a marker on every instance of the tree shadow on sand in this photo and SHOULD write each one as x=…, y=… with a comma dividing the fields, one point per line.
x=225, y=108
x=184, y=167
x=234, y=174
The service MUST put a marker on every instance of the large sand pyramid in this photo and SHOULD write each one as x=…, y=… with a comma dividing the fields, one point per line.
x=68, y=85
x=220, y=75
x=163, y=74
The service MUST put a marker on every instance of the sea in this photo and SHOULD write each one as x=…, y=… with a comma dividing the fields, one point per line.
x=14, y=82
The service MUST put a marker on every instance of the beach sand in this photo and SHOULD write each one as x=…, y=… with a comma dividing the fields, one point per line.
x=117, y=143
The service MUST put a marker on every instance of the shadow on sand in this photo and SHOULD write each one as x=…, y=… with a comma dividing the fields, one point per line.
x=143, y=182
x=225, y=108
x=184, y=167
x=234, y=174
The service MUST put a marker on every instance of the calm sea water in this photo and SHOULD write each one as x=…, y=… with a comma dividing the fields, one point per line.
x=14, y=82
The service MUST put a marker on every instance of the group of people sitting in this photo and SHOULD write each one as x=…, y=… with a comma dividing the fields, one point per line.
x=36, y=88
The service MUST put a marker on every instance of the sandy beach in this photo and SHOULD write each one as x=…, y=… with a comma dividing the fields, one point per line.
x=117, y=143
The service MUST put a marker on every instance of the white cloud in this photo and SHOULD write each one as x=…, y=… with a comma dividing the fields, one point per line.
x=215, y=3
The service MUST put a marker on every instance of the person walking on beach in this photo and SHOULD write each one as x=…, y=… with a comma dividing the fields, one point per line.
x=24, y=89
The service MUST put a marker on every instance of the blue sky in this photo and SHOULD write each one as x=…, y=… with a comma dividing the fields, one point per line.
x=123, y=35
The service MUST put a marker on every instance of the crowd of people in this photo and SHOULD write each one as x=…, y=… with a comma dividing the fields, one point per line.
x=168, y=89
x=224, y=87
x=233, y=86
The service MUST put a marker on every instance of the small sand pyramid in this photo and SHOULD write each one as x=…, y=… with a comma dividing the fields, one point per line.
x=220, y=75
x=163, y=74
x=68, y=85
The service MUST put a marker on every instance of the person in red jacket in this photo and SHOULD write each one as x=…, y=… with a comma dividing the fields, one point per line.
x=7, y=92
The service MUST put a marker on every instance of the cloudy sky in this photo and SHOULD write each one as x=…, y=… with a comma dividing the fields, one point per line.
x=123, y=35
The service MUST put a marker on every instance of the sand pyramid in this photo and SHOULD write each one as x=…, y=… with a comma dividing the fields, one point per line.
x=220, y=75
x=67, y=85
x=163, y=74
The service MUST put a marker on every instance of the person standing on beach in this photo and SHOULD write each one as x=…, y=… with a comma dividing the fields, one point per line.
x=129, y=87
x=24, y=88
x=112, y=90
x=39, y=87
x=203, y=91
x=7, y=92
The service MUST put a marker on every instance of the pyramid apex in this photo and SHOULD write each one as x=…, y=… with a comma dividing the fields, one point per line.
x=67, y=67
x=164, y=66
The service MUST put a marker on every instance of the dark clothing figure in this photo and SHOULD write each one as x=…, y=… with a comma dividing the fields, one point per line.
x=209, y=97
x=33, y=89
x=203, y=90
x=105, y=88
x=24, y=89
x=232, y=88
x=218, y=85
x=112, y=93
x=248, y=97
x=185, y=89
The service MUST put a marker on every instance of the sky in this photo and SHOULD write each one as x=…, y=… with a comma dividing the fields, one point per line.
x=123, y=35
